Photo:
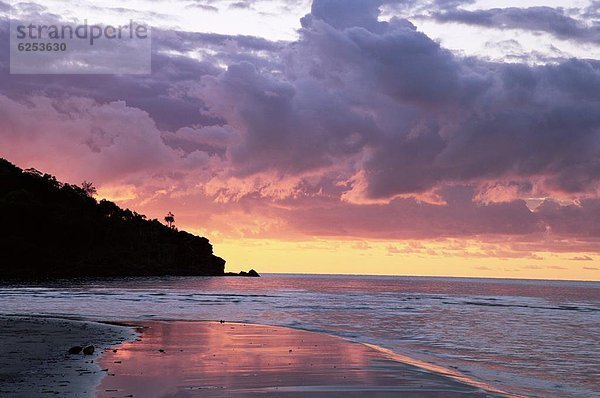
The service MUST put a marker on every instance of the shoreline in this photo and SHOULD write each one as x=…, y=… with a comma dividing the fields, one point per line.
x=199, y=358
x=438, y=370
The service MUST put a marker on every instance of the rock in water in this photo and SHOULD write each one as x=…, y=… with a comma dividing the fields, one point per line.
x=253, y=273
x=75, y=350
x=89, y=350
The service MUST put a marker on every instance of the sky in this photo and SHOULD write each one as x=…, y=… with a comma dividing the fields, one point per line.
x=434, y=137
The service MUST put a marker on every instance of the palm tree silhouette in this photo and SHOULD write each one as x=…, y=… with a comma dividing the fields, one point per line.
x=89, y=189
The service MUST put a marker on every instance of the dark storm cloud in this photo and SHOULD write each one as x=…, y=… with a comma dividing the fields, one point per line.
x=540, y=19
x=289, y=128
x=422, y=115
x=532, y=122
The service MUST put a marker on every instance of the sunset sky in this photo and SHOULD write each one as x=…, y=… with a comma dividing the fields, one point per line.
x=434, y=137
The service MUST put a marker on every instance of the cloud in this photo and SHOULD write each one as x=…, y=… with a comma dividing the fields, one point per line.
x=407, y=114
x=593, y=11
x=361, y=127
x=213, y=140
x=163, y=94
x=361, y=245
x=343, y=14
x=411, y=8
x=285, y=127
x=80, y=137
x=540, y=19
x=202, y=5
x=579, y=219
x=407, y=218
x=581, y=258
x=402, y=113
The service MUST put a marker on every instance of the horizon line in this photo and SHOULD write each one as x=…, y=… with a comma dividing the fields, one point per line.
x=434, y=276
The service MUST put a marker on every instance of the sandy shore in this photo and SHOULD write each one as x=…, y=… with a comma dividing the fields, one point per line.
x=200, y=359
x=34, y=360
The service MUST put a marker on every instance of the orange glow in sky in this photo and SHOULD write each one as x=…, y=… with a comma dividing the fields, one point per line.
x=321, y=256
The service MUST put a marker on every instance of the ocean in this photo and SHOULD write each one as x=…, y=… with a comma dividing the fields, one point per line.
x=534, y=338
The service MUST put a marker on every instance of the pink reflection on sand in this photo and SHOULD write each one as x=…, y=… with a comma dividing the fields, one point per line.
x=230, y=359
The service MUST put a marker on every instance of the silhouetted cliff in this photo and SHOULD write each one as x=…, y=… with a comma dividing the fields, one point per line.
x=51, y=229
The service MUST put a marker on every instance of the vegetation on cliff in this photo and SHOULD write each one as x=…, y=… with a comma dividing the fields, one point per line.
x=52, y=229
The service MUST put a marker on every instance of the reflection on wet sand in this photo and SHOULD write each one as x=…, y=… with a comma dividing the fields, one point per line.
x=191, y=359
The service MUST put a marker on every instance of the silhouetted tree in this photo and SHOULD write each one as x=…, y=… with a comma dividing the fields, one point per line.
x=170, y=220
x=89, y=189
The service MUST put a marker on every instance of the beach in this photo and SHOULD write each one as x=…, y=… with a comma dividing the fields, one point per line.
x=192, y=359
x=35, y=360
x=471, y=331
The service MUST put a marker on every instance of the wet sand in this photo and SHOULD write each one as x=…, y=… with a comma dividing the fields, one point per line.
x=205, y=359
x=199, y=359
x=34, y=361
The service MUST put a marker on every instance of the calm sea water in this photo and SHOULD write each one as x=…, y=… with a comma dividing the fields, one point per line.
x=536, y=338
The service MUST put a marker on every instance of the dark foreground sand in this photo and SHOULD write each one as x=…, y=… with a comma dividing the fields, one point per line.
x=34, y=360
x=200, y=359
